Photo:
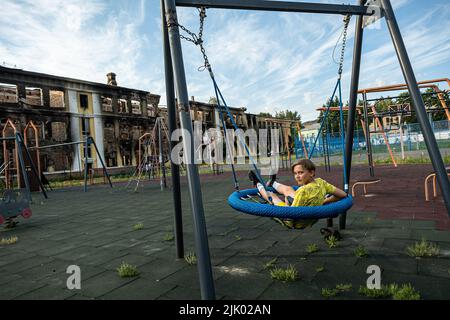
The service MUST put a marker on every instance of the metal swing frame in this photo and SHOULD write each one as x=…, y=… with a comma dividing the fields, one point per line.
x=176, y=78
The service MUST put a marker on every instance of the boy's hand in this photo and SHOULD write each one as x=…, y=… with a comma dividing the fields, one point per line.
x=330, y=200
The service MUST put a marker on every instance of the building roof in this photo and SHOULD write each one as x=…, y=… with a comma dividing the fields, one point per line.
x=9, y=74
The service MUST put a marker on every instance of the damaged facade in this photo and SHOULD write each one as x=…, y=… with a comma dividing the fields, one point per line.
x=50, y=110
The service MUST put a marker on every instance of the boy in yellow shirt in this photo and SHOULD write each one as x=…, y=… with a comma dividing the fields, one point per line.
x=313, y=192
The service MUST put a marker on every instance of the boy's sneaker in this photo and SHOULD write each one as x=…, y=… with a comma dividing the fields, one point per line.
x=252, y=177
x=273, y=178
x=330, y=232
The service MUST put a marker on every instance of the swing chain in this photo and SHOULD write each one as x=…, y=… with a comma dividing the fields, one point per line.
x=344, y=44
x=197, y=39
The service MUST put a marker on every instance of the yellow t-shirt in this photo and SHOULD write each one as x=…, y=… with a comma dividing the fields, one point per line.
x=312, y=195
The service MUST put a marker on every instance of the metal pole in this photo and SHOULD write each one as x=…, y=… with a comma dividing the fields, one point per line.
x=172, y=119
x=402, y=144
x=161, y=156
x=201, y=236
x=105, y=172
x=286, y=6
x=368, y=141
x=55, y=145
x=408, y=73
x=352, y=105
x=22, y=164
x=86, y=157
x=33, y=167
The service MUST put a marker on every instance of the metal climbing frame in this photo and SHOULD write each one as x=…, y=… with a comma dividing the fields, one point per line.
x=176, y=78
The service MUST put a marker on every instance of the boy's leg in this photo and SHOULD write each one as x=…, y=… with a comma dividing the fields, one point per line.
x=270, y=197
x=287, y=191
x=263, y=192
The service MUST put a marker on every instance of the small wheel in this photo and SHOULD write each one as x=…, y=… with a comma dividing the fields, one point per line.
x=27, y=213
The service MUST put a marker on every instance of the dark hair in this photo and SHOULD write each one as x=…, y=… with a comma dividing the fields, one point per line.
x=305, y=163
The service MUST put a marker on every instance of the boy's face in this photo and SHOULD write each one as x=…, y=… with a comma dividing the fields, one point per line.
x=303, y=176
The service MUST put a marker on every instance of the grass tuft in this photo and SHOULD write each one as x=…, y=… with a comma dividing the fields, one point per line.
x=361, y=252
x=169, y=237
x=423, y=249
x=289, y=274
x=332, y=242
x=405, y=292
x=138, y=226
x=344, y=287
x=127, y=270
x=190, y=258
x=329, y=293
x=311, y=248
x=9, y=241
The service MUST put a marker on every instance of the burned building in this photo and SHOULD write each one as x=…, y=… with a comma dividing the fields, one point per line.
x=50, y=110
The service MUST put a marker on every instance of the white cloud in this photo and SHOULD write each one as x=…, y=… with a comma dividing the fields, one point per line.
x=74, y=38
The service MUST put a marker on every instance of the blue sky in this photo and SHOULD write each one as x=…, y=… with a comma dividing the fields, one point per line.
x=264, y=61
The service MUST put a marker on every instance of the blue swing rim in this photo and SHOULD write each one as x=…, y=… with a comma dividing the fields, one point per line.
x=331, y=210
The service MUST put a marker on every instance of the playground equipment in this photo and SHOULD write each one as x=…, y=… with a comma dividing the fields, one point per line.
x=86, y=144
x=14, y=203
x=152, y=155
x=175, y=77
x=18, y=162
x=432, y=177
x=238, y=202
x=238, y=199
x=397, y=112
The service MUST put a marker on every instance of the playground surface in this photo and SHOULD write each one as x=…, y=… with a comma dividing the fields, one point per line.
x=95, y=231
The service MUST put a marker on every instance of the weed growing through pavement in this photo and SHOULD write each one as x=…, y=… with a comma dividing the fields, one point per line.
x=127, y=270
x=285, y=275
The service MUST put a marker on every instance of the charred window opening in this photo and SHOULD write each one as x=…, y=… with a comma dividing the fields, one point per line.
x=34, y=97
x=151, y=110
x=136, y=107
x=56, y=99
x=55, y=131
x=57, y=160
x=107, y=104
x=84, y=101
x=122, y=106
x=85, y=127
x=208, y=117
x=59, y=131
x=8, y=93
x=125, y=144
x=137, y=132
x=110, y=144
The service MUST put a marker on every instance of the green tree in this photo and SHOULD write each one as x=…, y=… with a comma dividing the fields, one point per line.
x=333, y=117
x=265, y=114
x=288, y=115
x=434, y=105
x=431, y=101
